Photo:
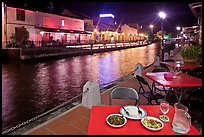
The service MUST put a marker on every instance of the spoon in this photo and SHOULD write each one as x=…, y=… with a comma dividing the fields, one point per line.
x=126, y=111
x=139, y=111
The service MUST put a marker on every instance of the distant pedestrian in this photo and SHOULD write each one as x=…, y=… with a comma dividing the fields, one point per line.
x=32, y=44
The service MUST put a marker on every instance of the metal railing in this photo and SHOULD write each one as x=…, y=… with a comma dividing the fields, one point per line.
x=37, y=44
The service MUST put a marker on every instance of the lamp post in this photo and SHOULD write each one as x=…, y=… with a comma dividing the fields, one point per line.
x=178, y=28
x=151, y=27
x=162, y=15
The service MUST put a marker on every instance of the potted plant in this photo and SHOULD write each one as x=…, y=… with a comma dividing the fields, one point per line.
x=192, y=53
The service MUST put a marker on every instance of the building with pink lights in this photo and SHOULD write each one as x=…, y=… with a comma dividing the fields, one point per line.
x=67, y=28
x=46, y=27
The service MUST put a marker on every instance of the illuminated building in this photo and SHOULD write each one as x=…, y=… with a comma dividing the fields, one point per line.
x=42, y=26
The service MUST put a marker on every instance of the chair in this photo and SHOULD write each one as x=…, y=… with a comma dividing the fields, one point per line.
x=196, y=72
x=124, y=93
x=171, y=53
x=149, y=94
x=157, y=87
x=169, y=60
x=194, y=103
x=160, y=70
x=164, y=66
x=166, y=56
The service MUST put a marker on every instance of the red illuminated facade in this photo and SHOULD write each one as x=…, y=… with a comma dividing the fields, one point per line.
x=42, y=27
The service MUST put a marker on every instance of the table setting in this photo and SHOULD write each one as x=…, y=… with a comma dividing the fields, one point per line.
x=150, y=120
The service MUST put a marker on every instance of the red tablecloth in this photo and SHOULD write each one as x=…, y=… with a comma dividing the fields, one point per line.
x=98, y=125
x=182, y=80
x=184, y=66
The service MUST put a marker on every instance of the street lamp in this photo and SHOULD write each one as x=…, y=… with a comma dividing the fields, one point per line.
x=178, y=28
x=151, y=27
x=162, y=15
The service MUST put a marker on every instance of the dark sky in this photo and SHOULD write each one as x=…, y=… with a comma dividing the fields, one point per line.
x=143, y=13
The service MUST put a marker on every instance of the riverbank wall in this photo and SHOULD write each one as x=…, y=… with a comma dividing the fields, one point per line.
x=11, y=54
x=50, y=53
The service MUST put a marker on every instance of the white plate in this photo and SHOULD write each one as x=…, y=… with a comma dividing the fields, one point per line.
x=125, y=120
x=164, y=118
x=133, y=109
x=153, y=118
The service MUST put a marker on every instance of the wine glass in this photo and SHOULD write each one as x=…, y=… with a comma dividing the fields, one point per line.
x=164, y=107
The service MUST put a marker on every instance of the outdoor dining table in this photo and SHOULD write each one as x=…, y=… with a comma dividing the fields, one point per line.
x=99, y=126
x=177, y=66
x=178, y=80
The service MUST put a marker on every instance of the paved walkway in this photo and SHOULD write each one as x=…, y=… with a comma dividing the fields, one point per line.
x=76, y=120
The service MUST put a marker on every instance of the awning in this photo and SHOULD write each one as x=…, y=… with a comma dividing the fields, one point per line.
x=62, y=30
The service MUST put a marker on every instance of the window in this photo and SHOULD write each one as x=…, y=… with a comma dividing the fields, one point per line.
x=62, y=22
x=46, y=21
x=20, y=14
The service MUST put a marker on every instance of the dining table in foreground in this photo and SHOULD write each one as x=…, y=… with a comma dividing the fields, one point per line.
x=99, y=126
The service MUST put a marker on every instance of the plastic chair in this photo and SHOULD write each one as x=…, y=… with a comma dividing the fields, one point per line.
x=166, y=56
x=149, y=94
x=124, y=93
x=171, y=53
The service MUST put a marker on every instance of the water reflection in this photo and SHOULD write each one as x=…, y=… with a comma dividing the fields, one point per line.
x=29, y=89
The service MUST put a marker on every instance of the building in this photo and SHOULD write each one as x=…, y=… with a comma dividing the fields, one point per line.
x=107, y=30
x=67, y=28
x=196, y=9
x=130, y=32
x=43, y=28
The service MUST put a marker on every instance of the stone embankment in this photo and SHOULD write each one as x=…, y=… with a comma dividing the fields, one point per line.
x=44, y=53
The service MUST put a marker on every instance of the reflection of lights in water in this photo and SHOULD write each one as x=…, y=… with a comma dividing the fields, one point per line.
x=57, y=81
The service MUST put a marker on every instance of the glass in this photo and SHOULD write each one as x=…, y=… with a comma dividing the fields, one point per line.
x=182, y=120
x=164, y=107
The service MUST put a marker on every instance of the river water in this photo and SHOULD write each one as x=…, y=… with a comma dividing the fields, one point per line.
x=28, y=89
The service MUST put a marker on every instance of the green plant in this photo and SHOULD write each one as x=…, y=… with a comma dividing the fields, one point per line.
x=191, y=52
x=13, y=38
x=20, y=37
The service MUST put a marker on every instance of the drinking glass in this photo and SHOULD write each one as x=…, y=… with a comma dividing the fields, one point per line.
x=164, y=107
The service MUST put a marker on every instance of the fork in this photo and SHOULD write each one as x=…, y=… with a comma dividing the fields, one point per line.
x=126, y=111
x=139, y=111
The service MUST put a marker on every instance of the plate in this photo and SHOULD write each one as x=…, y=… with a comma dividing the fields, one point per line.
x=115, y=116
x=164, y=118
x=146, y=122
x=133, y=112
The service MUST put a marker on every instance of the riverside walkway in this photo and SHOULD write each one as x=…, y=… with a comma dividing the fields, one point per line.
x=75, y=121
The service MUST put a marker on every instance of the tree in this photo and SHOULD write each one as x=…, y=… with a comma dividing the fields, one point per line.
x=20, y=37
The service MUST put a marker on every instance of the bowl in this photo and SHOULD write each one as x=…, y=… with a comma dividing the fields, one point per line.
x=116, y=120
x=152, y=123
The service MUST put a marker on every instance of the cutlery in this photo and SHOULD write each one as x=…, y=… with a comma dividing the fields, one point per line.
x=139, y=111
x=126, y=111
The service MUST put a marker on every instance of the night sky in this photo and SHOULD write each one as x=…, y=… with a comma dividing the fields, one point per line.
x=143, y=13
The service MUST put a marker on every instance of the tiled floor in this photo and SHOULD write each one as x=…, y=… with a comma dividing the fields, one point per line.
x=70, y=123
x=76, y=120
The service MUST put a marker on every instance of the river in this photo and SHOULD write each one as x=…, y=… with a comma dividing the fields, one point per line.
x=29, y=89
